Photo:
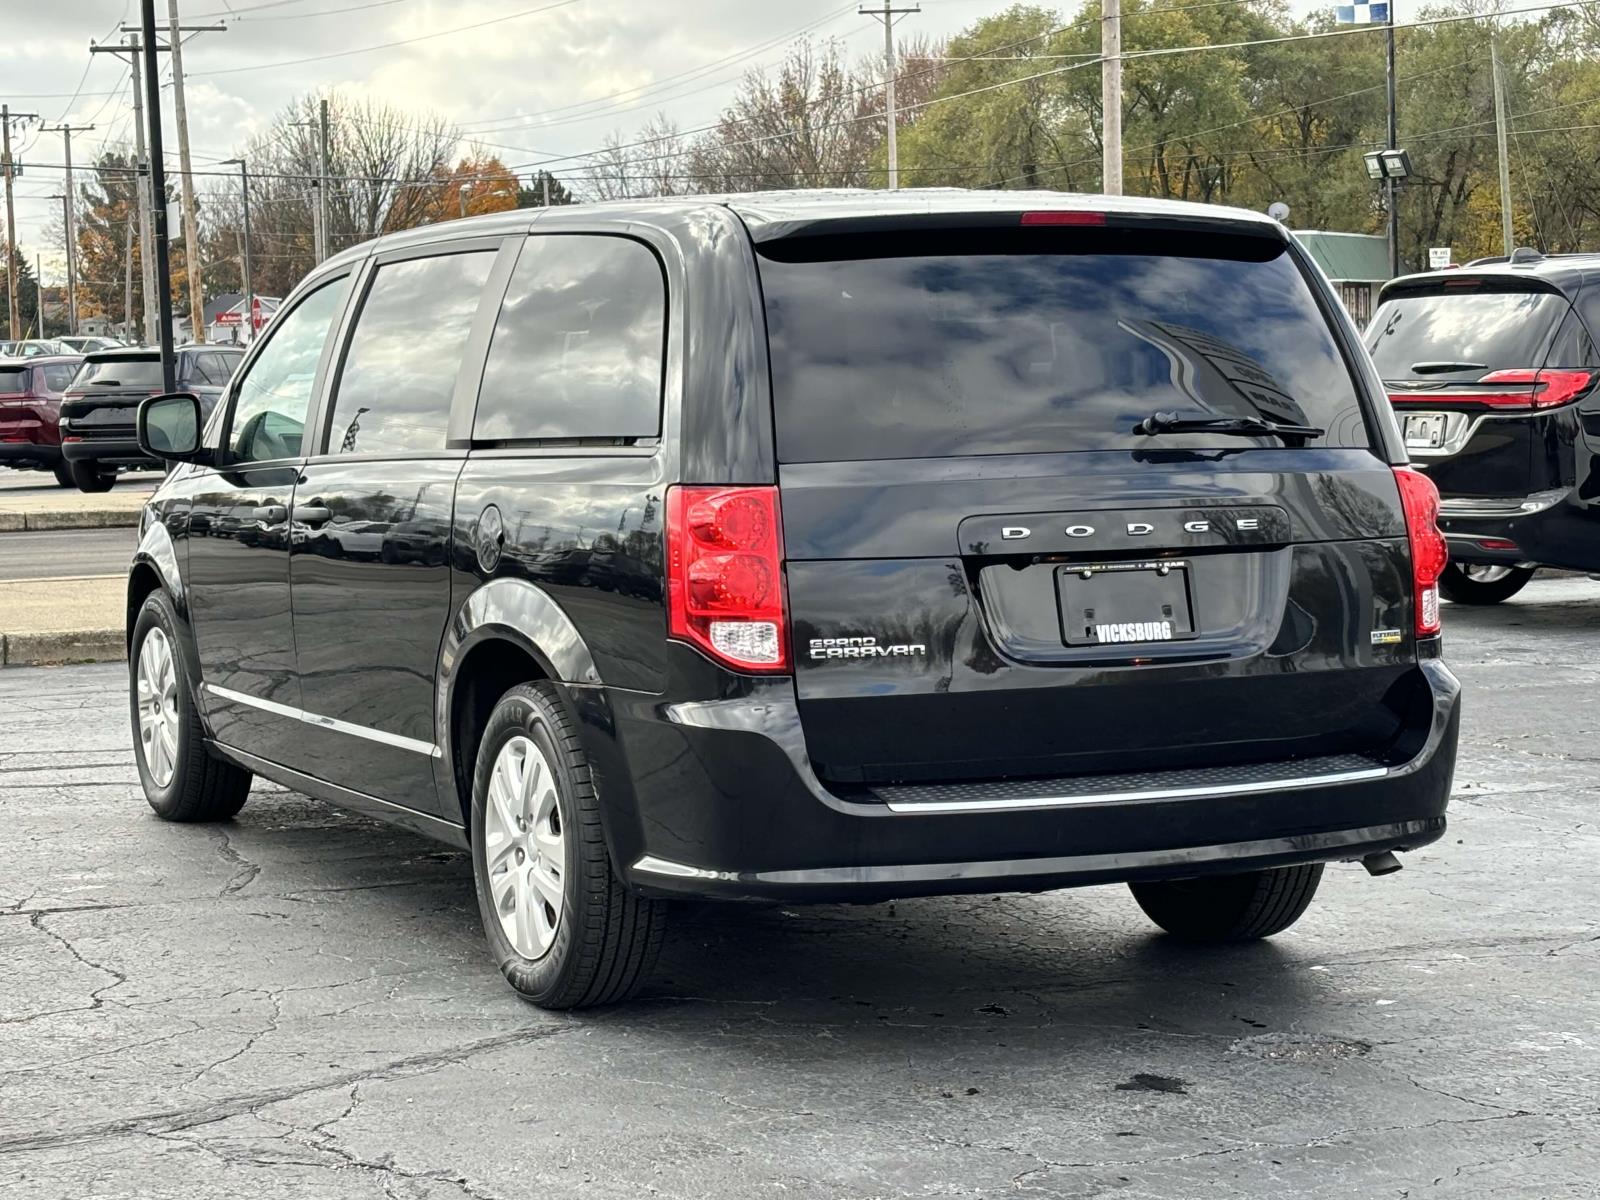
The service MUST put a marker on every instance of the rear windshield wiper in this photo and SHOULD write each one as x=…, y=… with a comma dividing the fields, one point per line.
x=1166, y=422
x=1442, y=368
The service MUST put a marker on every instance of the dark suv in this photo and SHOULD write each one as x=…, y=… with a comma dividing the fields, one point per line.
x=802, y=547
x=30, y=409
x=97, y=413
x=1492, y=371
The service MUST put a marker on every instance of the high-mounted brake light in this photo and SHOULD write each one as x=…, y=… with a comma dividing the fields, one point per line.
x=1534, y=390
x=725, y=591
x=1063, y=218
x=1419, y=500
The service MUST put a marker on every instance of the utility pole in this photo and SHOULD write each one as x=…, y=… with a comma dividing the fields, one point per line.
x=72, y=315
x=544, y=180
x=1391, y=185
x=38, y=284
x=319, y=211
x=158, y=194
x=133, y=49
x=6, y=117
x=70, y=221
x=191, y=224
x=127, y=278
x=322, y=177
x=1500, y=139
x=888, y=15
x=1111, y=97
x=141, y=44
x=244, y=250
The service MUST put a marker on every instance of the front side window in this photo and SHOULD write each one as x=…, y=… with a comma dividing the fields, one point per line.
x=269, y=414
x=579, y=344
x=400, y=370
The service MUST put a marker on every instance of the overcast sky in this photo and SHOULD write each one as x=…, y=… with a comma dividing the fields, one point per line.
x=492, y=79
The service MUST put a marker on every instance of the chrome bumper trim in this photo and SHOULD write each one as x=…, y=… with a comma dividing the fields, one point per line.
x=1135, y=797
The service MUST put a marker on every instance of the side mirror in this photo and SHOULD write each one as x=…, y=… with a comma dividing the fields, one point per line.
x=169, y=428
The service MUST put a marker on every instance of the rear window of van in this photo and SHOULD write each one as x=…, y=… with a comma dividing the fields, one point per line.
x=1022, y=341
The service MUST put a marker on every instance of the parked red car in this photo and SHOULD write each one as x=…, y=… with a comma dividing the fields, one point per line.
x=30, y=412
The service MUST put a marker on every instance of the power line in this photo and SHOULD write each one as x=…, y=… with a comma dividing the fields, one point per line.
x=426, y=37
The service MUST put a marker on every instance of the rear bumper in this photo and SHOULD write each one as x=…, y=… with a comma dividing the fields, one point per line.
x=29, y=454
x=716, y=798
x=1552, y=529
x=115, y=451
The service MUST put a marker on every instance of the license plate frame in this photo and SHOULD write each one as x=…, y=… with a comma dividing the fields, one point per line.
x=1425, y=430
x=1125, y=603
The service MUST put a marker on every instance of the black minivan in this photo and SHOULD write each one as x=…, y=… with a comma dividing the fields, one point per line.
x=808, y=546
x=1492, y=371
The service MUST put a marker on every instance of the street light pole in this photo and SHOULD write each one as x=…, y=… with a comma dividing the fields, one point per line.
x=1391, y=185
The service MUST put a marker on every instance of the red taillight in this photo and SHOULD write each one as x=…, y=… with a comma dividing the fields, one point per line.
x=1550, y=388
x=1544, y=389
x=725, y=575
x=1419, y=499
x=1063, y=218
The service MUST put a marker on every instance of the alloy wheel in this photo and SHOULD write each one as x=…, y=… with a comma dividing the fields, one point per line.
x=1485, y=573
x=157, y=683
x=524, y=848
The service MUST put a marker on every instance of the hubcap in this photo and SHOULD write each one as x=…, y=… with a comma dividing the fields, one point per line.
x=1485, y=573
x=524, y=848
x=157, y=683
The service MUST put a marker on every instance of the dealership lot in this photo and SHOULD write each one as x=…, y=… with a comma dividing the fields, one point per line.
x=297, y=1003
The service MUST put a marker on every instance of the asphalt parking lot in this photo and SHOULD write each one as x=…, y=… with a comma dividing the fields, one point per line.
x=298, y=1004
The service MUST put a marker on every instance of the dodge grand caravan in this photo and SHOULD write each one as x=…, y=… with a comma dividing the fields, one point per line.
x=1492, y=372
x=807, y=547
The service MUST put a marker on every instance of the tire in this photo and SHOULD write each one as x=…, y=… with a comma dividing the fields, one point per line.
x=181, y=780
x=63, y=474
x=1457, y=586
x=604, y=938
x=1230, y=908
x=90, y=476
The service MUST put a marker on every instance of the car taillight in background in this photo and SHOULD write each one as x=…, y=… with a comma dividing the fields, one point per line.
x=1429, y=553
x=725, y=590
x=1533, y=390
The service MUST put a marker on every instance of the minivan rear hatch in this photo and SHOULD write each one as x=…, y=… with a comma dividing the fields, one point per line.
x=1472, y=363
x=992, y=575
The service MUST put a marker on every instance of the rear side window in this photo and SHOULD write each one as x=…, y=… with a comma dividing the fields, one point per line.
x=1416, y=335
x=13, y=381
x=120, y=372
x=578, y=348
x=58, y=376
x=405, y=353
x=1026, y=341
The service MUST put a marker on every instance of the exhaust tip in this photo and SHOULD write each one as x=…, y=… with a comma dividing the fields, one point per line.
x=1382, y=863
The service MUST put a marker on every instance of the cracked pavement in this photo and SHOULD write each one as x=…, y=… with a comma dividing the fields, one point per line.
x=299, y=1004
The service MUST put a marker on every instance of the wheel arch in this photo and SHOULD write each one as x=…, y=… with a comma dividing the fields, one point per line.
x=508, y=631
x=155, y=568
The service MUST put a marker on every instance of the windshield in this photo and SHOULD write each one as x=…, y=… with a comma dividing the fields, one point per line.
x=1480, y=331
x=120, y=372
x=1010, y=342
x=13, y=381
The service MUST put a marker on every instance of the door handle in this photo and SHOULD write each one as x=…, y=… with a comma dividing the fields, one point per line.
x=311, y=514
x=272, y=514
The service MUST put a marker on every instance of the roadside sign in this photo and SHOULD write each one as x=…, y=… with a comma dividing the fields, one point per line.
x=1438, y=257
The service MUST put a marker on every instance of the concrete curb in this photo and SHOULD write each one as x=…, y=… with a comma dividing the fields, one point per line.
x=55, y=649
x=86, y=518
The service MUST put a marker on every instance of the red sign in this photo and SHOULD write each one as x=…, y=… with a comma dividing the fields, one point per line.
x=227, y=318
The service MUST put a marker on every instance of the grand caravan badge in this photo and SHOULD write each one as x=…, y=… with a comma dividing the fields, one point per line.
x=863, y=647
